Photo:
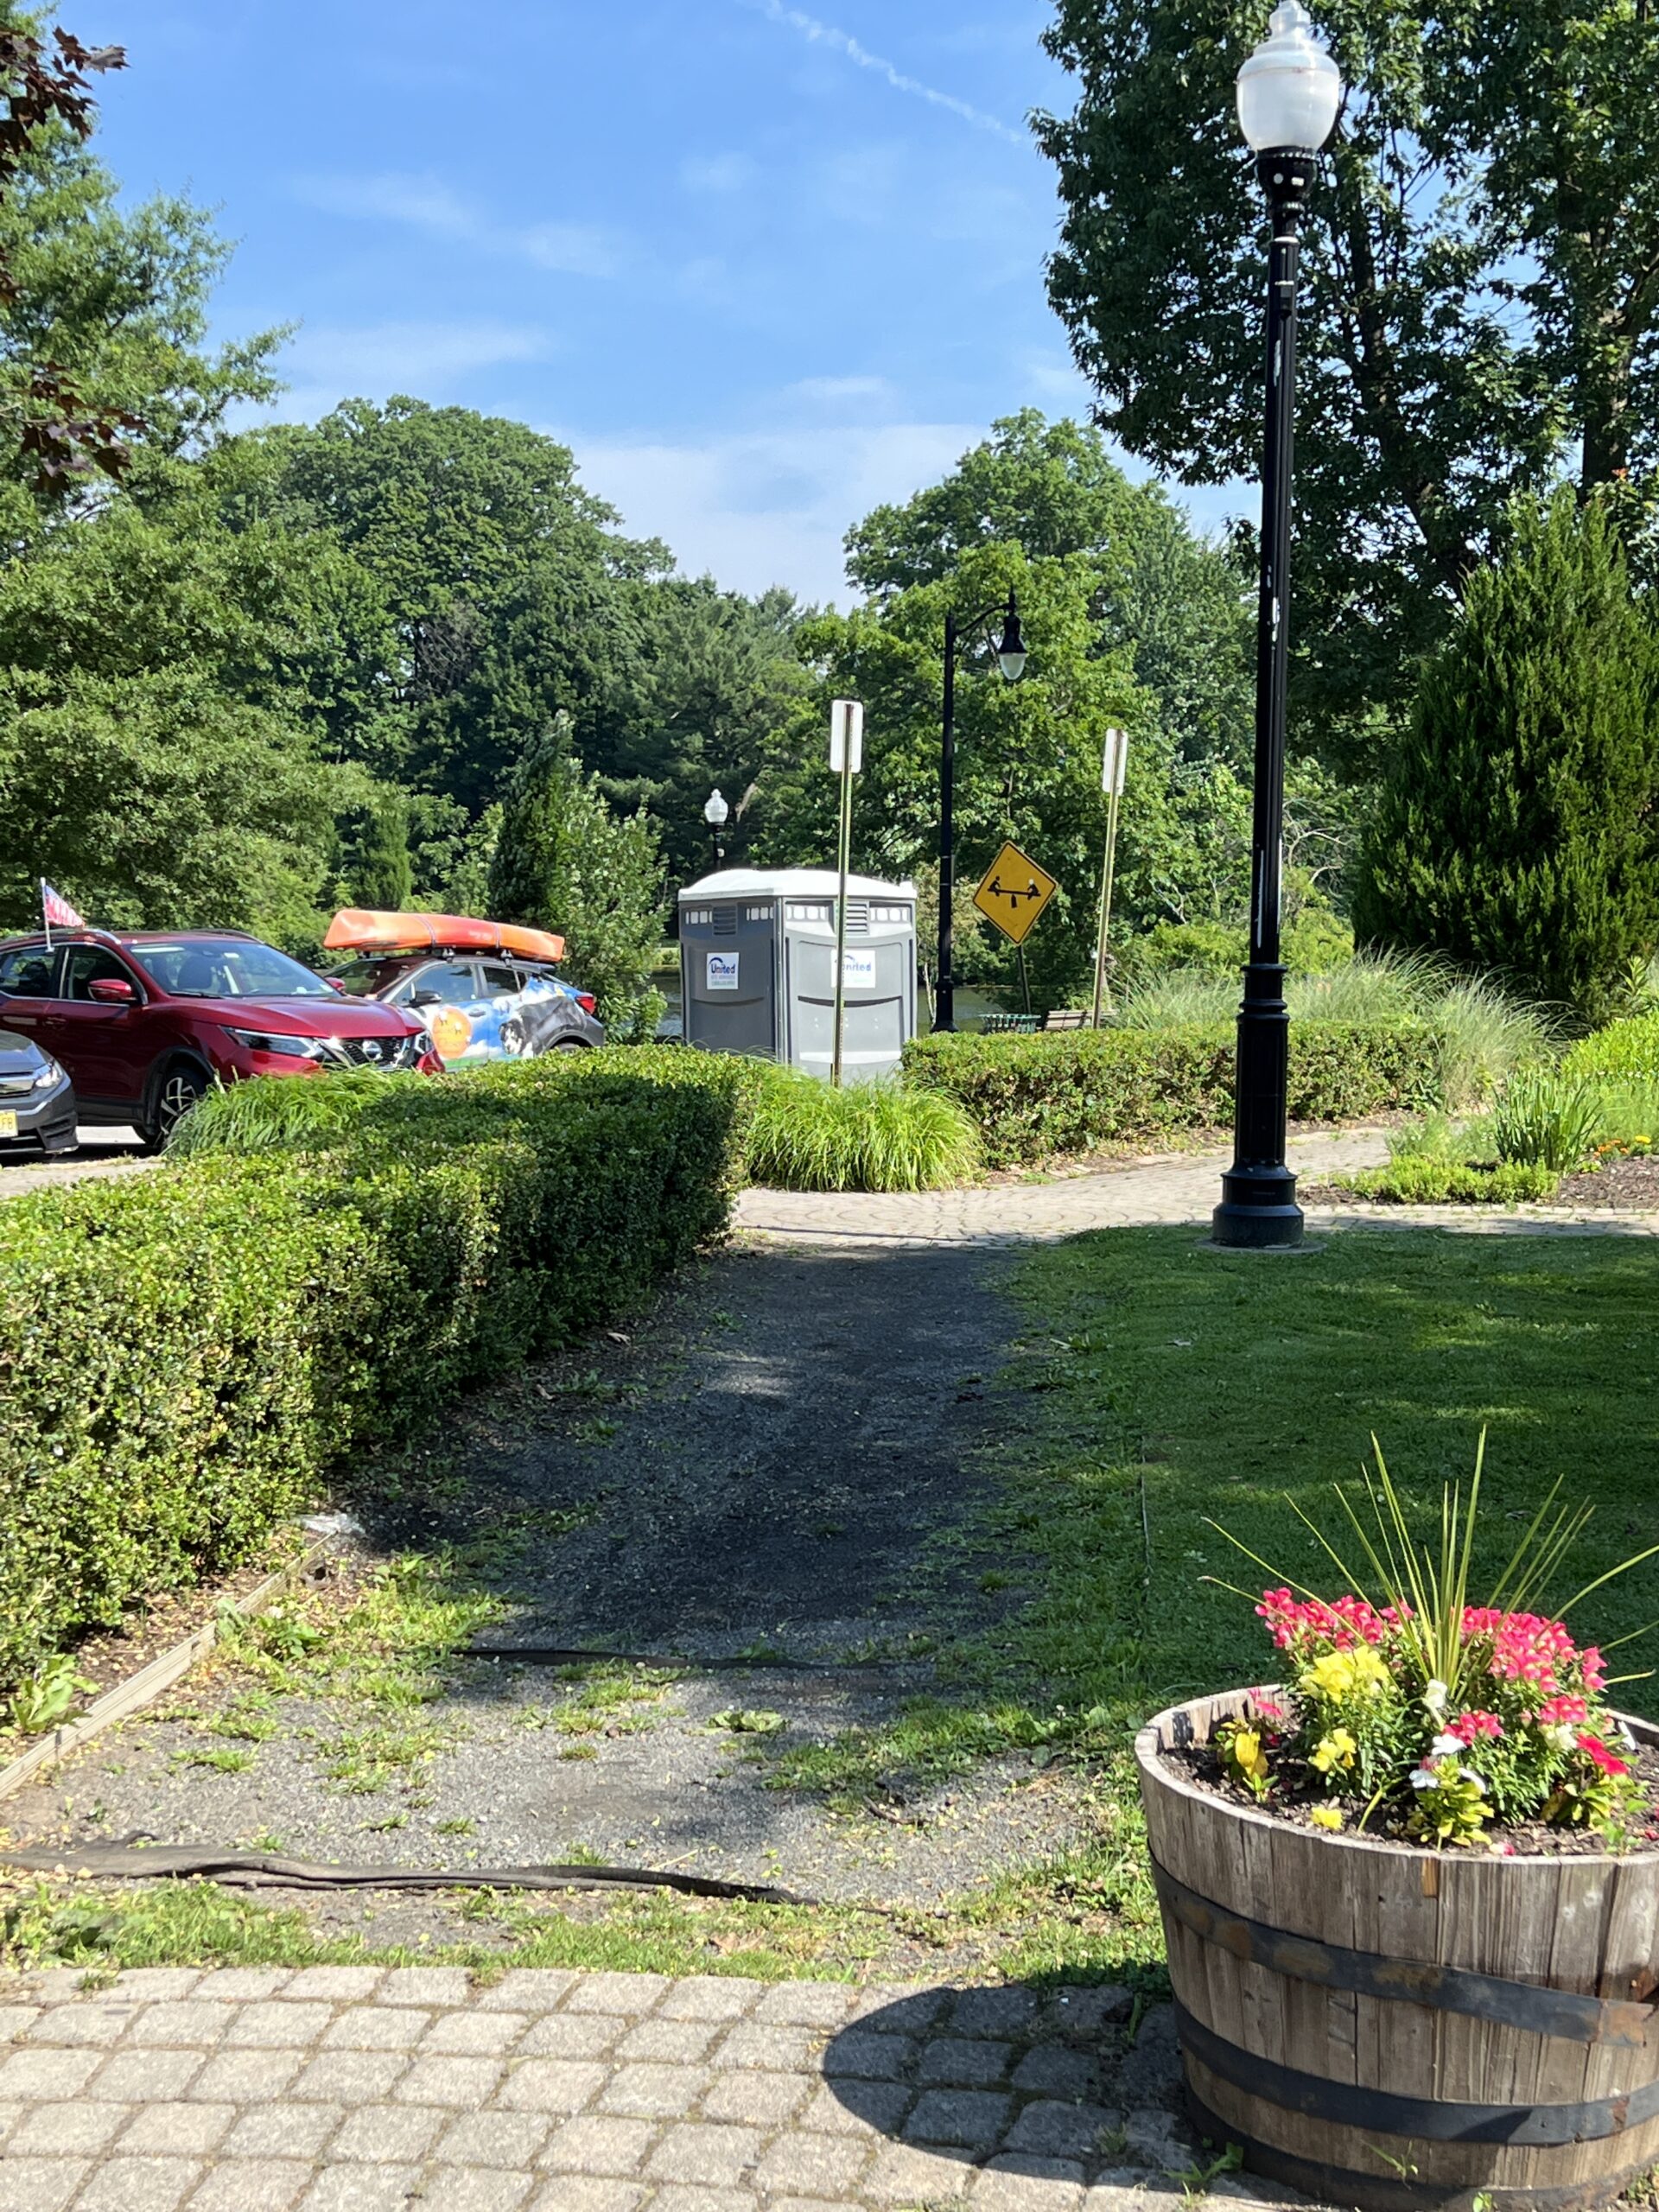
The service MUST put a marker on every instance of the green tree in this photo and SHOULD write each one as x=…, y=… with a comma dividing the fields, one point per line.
x=378, y=865
x=1516, y=824
x=505, y=582
x=1481, y=276
x=565, y=861
x=104, y=309
x=153, y=801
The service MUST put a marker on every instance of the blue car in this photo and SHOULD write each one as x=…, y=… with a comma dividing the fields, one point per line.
x=479, y=1007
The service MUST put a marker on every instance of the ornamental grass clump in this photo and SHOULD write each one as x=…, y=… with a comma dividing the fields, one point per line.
x=1406, y=1709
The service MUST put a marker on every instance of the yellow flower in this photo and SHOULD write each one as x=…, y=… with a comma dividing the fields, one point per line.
x=1247, y=1755
x=1332, y=1674
x=1337, y=1675
x=1327, y=1816
x=1337, y=1749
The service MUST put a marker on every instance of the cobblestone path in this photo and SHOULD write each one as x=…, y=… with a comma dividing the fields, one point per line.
x=356, y=2089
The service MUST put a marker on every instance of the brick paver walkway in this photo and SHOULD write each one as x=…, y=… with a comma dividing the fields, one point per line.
x=1143, y=1193
x=360, y=2089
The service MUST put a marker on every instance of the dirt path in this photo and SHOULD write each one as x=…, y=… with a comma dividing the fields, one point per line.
x=778, y=1464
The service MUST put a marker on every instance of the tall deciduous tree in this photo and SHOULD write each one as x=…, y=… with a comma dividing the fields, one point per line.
x=1518, y=827
x=1481, y=273
x=564, y=861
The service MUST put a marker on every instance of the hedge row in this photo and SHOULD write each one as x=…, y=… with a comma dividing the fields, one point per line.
x=1078, y=1090
x=184, y=1355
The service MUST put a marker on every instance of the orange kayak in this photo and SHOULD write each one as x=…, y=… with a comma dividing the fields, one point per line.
x=357, y=928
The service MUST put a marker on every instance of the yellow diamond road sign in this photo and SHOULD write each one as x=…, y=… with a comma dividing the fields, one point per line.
x=1013, y=892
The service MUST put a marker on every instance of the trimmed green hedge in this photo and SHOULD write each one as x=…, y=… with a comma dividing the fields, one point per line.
x=1078, y=1090
x=1423, y=1180
x=185, y=1355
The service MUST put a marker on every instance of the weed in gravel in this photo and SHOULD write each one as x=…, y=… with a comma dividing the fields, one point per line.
x=225, y=1761
x=454, y=1827
x=357, y=1762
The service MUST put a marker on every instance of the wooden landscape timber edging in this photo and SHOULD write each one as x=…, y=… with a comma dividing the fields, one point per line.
x=1397, y=2029
x=143, y=1688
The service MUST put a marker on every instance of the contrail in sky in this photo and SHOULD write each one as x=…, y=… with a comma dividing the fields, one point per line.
x=843, y=42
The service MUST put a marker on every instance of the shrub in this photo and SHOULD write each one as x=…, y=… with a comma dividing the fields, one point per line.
x=1624, y=1048
x=1427, y=1180
x=1515, y=828
x=1484, y=1030
x=1074, y=1091
x=872, y=1136
x=184, y=1355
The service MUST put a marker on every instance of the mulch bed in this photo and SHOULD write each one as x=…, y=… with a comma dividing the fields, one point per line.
x=1532, y=1840
x=1631, y=1186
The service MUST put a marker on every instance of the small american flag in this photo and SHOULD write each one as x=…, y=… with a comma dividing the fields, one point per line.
x=58, y=912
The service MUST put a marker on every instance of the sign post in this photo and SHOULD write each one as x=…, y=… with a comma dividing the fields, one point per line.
x=846, y=758
x=1114, y=763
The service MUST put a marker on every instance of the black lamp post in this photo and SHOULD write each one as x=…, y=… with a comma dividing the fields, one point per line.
x=1289, y=96
x=714, y=814
x=1011, y=659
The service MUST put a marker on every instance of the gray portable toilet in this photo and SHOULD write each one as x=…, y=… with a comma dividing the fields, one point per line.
x=758, y=968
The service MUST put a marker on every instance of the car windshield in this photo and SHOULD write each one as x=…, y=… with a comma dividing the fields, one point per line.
x=361, y=979
x=227, y=968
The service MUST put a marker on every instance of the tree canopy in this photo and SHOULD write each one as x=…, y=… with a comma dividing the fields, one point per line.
x=1481, y=281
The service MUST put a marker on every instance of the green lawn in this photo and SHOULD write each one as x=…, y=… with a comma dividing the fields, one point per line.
x=1159, y=1383
x=1179, y=1383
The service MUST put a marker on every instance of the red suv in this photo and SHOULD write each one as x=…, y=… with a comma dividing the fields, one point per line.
x=146, y=1020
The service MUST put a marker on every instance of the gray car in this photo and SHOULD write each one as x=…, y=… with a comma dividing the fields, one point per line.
x=37, y=1100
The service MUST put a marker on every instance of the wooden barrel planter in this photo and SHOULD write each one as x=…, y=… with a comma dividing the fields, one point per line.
x=1399, y=2029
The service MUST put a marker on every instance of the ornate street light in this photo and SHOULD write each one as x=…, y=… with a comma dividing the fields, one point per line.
x=714, y=814
x=1011, y=657
x=1289, y=97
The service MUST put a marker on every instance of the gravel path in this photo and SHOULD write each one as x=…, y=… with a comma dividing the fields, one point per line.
x=766, y=1467
x=100, y=1153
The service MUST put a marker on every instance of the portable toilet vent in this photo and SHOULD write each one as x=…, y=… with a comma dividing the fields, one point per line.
x=758, y=968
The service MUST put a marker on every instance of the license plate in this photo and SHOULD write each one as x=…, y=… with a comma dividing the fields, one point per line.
x=8, y=1125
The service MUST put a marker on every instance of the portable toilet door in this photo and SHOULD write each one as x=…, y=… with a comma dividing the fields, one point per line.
x=728, y=964
x=878, y=970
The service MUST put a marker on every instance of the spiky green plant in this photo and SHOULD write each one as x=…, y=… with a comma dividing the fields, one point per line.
x=1423, y=1582
x=1545, y=1120
x=870, y=1136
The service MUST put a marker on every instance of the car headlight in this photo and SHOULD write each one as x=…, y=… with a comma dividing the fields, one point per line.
x=49, y=1074
x=296, y=1048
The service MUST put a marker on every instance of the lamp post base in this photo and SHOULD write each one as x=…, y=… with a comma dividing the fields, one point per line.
x=1258, y=1211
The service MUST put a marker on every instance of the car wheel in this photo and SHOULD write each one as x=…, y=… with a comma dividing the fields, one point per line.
x=569, y=1045
x=177, y=1092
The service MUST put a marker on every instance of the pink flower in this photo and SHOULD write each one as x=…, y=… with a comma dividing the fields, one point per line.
x=1592, y=1746
x=1595, y=1669
x=1468, y=1727
x=1567, y=1711
x=1292, y=1621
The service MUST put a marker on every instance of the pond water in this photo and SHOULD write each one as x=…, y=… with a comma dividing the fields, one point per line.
x=972, y=1006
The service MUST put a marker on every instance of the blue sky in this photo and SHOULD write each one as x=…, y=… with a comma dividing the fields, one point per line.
x=761, y=266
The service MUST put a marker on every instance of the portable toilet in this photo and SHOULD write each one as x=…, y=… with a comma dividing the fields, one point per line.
x=758, y=968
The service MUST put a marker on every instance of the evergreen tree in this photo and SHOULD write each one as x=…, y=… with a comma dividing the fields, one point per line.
x=1516, y=825
x=381, y=875
x=564, y=861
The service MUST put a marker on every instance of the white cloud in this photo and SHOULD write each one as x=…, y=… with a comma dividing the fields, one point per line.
x=716, y=172
x=426, y=203
x=840, y=391
x=843, y=42
x=765, y=507
x=327, y=363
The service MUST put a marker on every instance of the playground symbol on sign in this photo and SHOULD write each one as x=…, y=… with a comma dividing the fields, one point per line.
x=1013, y=892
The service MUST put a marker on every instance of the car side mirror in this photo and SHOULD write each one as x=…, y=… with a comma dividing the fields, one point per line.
x=112, y=990
x=426, y=998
